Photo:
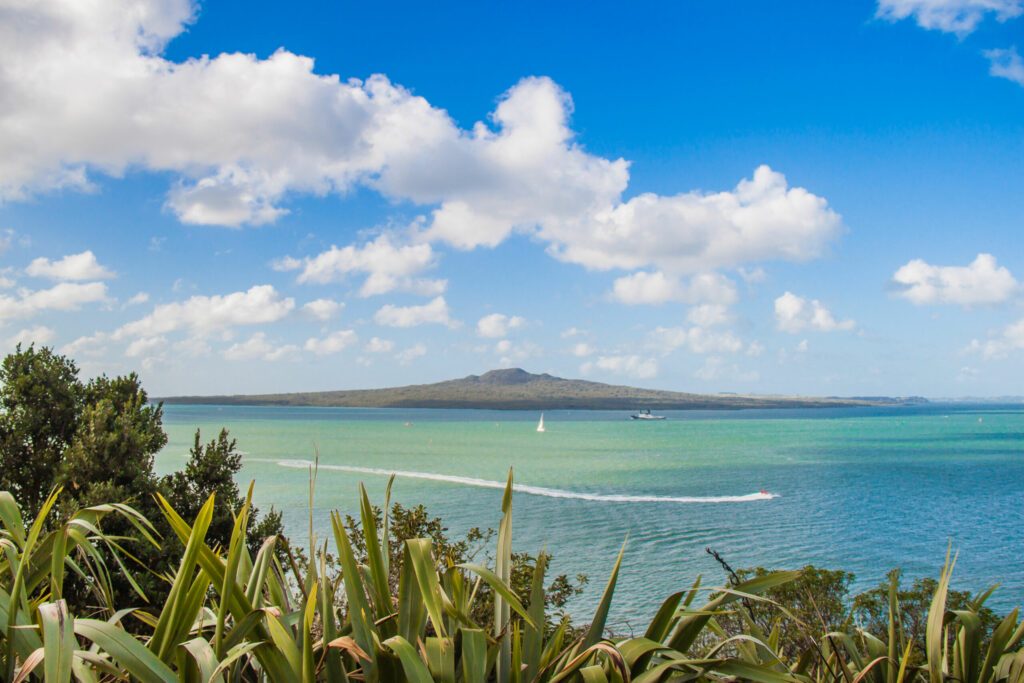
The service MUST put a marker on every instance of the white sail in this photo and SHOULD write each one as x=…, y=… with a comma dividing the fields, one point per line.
x=540, y=425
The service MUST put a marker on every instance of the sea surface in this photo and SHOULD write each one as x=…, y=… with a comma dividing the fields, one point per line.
x=860, y=489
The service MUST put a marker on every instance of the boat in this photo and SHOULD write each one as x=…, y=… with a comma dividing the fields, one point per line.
x=540, y=425
x=646, y=415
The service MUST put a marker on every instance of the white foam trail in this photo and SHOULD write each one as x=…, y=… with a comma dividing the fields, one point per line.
x=524, y=488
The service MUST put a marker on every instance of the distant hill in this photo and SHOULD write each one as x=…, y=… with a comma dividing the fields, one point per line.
x=516, y=389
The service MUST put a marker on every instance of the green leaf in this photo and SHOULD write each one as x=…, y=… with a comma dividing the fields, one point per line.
x=596, y=631
x=204, y=657
x=58, y=641
x=130, y=654
x=415, y=670
x=474, y=655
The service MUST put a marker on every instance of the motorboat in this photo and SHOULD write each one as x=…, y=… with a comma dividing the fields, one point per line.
x=646, y=415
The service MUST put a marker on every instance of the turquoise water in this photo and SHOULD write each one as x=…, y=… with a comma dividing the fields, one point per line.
x=858, y=489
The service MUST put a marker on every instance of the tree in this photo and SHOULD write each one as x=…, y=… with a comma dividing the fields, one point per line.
x=98, y=441
x=40, y=403
x=212, y=468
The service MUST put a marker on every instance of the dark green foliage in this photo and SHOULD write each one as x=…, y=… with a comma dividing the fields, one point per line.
x=871, y=610
x=819, y=602
x=98, y=440
x=40, y=400
x=212, y=468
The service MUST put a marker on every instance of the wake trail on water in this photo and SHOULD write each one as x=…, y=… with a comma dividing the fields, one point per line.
x=522, y=488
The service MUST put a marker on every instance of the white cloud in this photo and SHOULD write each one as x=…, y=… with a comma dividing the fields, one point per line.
x=1008, y=340
x=638, y=367
x=91, y=345
x=761, y=219
x=388, y=266
x=65, y=296
x=378, y=345
x=709, y=315
x=335, y=342
x=204, y=314
x=407, y=356
x=794, y=314
x=145, y=346
x=983, y=281
x=257, y=347
x=498, y=325
x=951, y=16
x=694, y=339
x=802, y=347
x=571, y=332
x=323, y=309
x=40, y=335
x=140, y=298
x=582, y=350
x=658, y=288
x=512, y=353
x=1006, y=64
x=90, y=92
x=436, y=312
x=73, y=268
x=755, y=349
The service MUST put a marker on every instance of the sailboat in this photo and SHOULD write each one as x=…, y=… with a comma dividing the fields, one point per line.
x=540, y=425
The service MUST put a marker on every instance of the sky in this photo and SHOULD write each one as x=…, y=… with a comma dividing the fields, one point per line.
x=790, y=197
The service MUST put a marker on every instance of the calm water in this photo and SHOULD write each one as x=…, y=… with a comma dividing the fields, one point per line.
x=858, y=489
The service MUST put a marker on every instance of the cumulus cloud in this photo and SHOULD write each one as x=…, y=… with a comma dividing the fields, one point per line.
x=498, y=325
x=322, y=309
x=90, y=345
x=90, y=92
x=639, y=367
x=950, y=16
x=761, y=219
x=335, y=342
x=388, y=267
x=140, y=298
x=694, y=339
x=658, y=288
x=145, y=346
x=378, y=345
x=435, y=312
x=40, y=335
x=1006, y=64
x=258, y=347
x=73, y=268
x=407, y=356
x=982, y=281
x=1000, y=345
x=205, y=314
x=794, y=314
x=65, y=296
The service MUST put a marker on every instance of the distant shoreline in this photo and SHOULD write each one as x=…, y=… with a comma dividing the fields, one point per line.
x=516, y=389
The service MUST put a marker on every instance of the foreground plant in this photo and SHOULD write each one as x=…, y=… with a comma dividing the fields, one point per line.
x=232, y=615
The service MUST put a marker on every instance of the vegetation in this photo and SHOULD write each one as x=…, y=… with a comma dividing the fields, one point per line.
x=232, y=615
x=98, y=440
x=516, y=389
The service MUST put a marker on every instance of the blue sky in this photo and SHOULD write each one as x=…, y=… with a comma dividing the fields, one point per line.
x=816, y=198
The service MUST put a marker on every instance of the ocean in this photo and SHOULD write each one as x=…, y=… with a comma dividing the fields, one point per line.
x=860, y=489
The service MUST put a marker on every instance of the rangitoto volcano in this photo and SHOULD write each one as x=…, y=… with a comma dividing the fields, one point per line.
x=517, y=389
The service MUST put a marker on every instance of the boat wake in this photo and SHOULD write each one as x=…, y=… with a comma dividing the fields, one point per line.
x=525, y=488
